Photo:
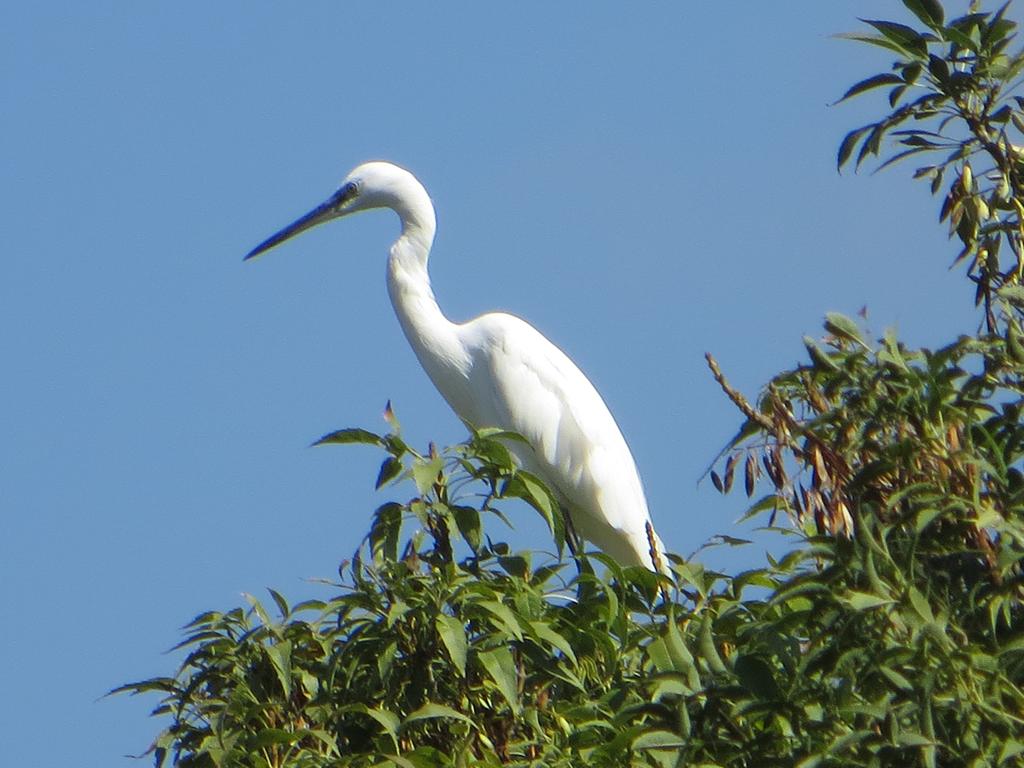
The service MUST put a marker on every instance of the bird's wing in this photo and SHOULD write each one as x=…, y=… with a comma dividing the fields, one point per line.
x=522, y=382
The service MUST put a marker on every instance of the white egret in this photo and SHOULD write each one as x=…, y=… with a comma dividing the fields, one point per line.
x=498, y=371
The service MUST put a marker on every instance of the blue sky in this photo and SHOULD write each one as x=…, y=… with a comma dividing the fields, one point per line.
x=643, y=183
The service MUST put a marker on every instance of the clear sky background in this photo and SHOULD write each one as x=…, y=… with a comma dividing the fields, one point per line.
x=642, y=182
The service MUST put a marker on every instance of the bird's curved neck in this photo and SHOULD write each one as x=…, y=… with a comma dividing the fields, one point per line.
x=432, y=336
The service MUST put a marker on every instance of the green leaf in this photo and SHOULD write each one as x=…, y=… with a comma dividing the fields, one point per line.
x=938, y=68
x=669, y=683
x=1011, y=749
x=865, y=601
x=258, y=608
x=352, y=435
x=386, y=659
x=532, y=490
x=388, y=720
x=901, y=156
x=543, y=631
x=502, y=670
x=848, y=144
x=309, y=605
x=390, y=468
x=425, y=473
x=161, y=684
x=385, y=529
x=493, y=451
x=515, y=565
x=453, y=635
x=397, y=760
x=205, y=618
x=871, y=144
x=878, y=40
x=756, y=676
x=875, y=81
x=431, y=711
x=496, y=433
x=924, y=518
x=271, y=736
x=920, y=604
x=821, y=359
x=506, y=619
x=682, y=659
x=930, y=12
x=894, y=677
x=911, y=739
x=280, y=655
x=903, y=37
x=1013, y=294
x=669, y=653
x=843, y=327
x=959, y=37
x=282, y=604
x=657, y=650
x=467, y=519
x=657, y=740
x=708, y=651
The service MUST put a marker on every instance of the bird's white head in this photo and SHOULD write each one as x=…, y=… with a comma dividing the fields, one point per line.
x=371, y=185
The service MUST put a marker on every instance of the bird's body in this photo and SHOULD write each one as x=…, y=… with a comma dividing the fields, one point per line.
x=498, y=371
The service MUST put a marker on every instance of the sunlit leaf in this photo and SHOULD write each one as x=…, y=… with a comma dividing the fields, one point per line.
x=843, y=327
x=279, y=600
x=280, y=655
x=343, y=436
x=453, y=635
x=504, y=615
x=388, y=720
x=502, y=671
x=426, y=472
x=865, y=601
x=432, y=711
x=543, y=631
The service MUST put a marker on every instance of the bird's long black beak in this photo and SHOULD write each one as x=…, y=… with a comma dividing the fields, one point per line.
x=318, y=215
x=324, y=212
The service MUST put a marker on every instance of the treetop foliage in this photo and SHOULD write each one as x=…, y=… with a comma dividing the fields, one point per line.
x=889, y=635
x=950, y=91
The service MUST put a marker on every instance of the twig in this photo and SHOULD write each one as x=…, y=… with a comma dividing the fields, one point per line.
x=738, y=399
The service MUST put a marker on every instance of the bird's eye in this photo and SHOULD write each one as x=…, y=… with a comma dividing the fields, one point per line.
x=347, y=193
